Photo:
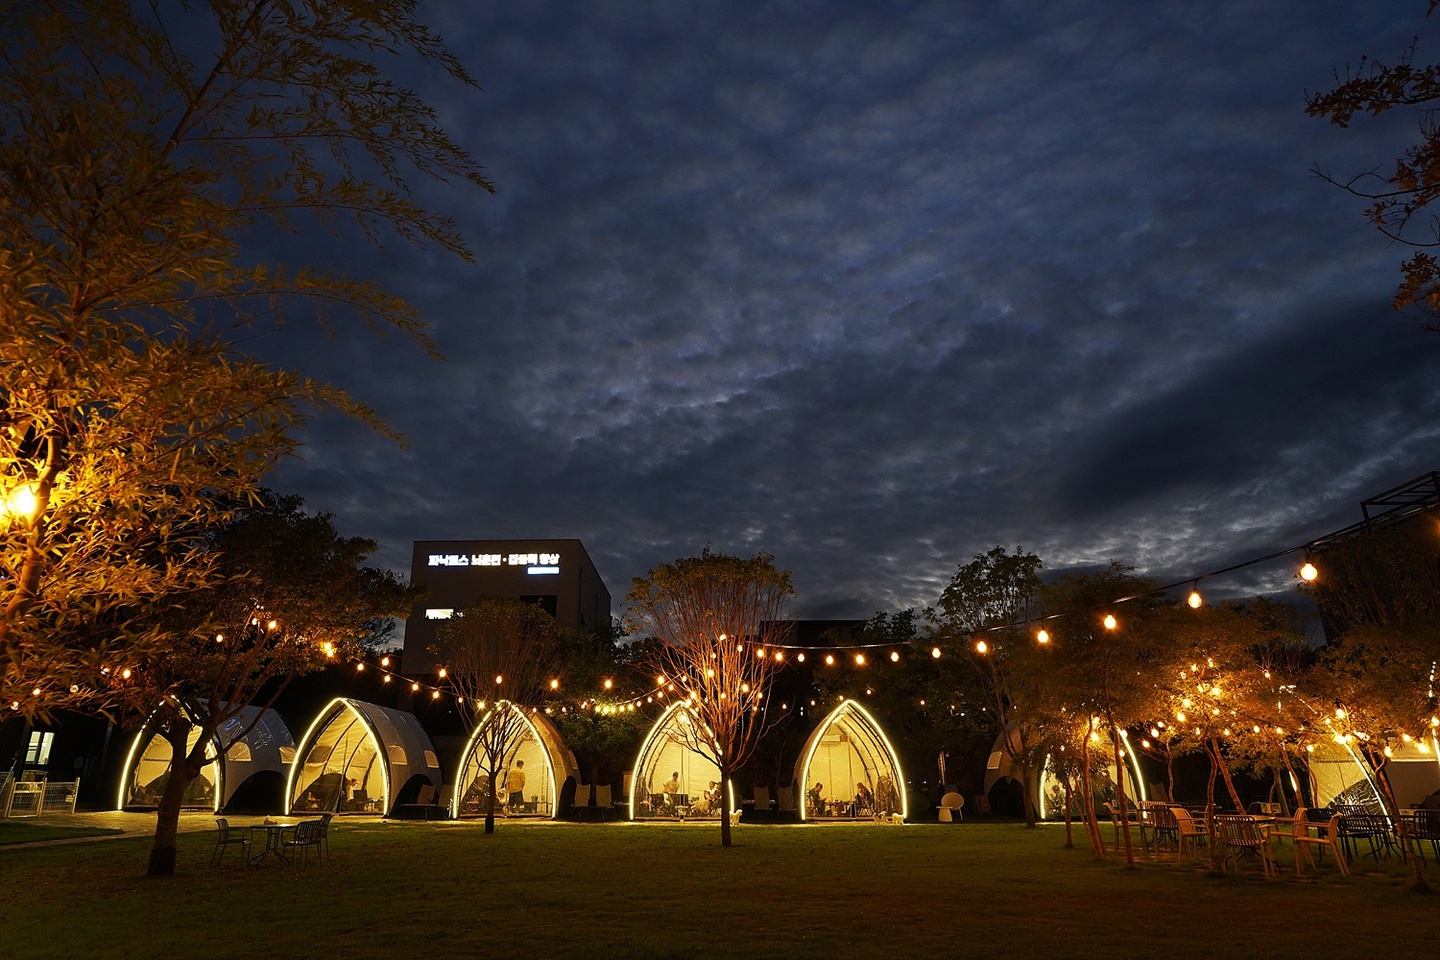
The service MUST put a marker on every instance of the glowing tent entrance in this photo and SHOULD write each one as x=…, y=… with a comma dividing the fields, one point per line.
x=847, y=769
x=267, y=747
x=534, y=747
x=360, y=758
x=1339, y=775
x=672, y=780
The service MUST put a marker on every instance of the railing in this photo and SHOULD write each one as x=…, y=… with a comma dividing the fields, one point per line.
x=31, y=798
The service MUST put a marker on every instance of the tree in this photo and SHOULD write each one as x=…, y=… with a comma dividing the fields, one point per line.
x=140, y=145
x=974, y=619
x=288, y=595
x=504, y=656
x=714, y=619
x=1398, y=200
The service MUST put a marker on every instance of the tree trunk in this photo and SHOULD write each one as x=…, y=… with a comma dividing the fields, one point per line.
x=1027, y=786
x=1169, y=774
x=1211, y=840
x=1087, y=803
x=1122, y=806
x=167, y=817
x=1229, y=783
x=490, y=805
x=1378, y=763
x=724, y=811
x=1069, y=830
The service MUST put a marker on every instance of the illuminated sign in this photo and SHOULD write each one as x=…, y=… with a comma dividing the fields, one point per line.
x=536, y=562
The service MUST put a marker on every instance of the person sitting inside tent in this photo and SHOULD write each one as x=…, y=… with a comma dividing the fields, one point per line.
x=709, y=801
x=671, y=789
x=864, y=800
x=815, y=797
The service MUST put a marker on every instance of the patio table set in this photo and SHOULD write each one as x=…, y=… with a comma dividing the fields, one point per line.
x=286, y=842
x=1341, y=829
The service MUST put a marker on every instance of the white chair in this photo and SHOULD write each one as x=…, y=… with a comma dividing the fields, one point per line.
x=762, y=799
x=603, y=802
x=582, y=799
x=951, y=806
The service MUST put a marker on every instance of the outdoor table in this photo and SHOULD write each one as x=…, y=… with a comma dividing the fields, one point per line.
x=274, y=837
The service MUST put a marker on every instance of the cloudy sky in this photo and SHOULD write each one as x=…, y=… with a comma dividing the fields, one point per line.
x=876, y=286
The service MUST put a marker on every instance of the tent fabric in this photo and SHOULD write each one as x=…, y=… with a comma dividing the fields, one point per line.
x=848, y=769
x=357, y=757
x=538, y=745
x=1339, y=775
x=267, y=747
x=667, y=759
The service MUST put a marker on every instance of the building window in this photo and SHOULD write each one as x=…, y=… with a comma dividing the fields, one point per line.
x=37, y=751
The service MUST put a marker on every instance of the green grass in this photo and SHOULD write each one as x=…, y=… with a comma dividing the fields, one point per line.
x=18, y=832
x=654, y=892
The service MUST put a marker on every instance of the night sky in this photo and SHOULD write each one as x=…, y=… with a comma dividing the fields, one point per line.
x=875, y=287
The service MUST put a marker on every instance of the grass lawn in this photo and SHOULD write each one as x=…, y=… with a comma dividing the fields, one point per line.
x=12, y=831
x=623, y=891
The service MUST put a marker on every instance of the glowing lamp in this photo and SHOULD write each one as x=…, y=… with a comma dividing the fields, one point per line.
x=1308, y=572
x=608, y=682
x=1043, y=636
x=22, y=501
x=829, y=660
x=414, y=688
x=1195, y=600
x=800, y=657
x=554, y=684
x=860, y=659
x=894, y=656
x=1110, y=621
x=935, y=652
x=499, y=679
x=434, y=694
x=125, y=674
x=384, y=661
x=981, y=647
x=443, y=672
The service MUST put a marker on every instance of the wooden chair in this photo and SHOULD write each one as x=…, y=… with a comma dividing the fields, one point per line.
x=226, y=836
x=1187, y=830
x=1132, y=819
x=1329, y=836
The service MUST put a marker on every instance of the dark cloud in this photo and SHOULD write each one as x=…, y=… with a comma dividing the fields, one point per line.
x=875, y=288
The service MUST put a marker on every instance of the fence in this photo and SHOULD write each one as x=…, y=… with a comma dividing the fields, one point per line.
x=30, y=798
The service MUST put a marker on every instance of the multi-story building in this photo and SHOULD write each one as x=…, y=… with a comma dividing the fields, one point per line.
x=556, y=575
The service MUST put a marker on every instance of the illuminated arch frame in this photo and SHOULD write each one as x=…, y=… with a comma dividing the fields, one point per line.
x=663, y=722
x=1138, y=781
x=867, y=719
x=328, y=714
x=130, y=760
x=470, y=750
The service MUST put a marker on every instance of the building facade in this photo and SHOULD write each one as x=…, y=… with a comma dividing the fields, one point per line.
x=556, y=575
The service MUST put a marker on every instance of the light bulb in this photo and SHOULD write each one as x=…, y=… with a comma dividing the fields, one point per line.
x=1308, y=571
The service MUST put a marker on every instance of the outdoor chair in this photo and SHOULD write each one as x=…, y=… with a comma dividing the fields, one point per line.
x=786, y=797
x=762, y=799
x=1241, y=836
x=324, y=847
x=582, y=800
x=226, y=836
x=603, y=802
x=951, y=806
x=1329, y=836
x=1374, y=830
x=306, y=835
x=1423, y=826
x=1130, y=818
x=1187, y=830
x=1162, y=822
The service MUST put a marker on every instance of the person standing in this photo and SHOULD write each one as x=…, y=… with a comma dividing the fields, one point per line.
x=515, y=787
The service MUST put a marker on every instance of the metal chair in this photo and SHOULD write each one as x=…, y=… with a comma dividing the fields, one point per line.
x=226, y=836
x=1242, y=836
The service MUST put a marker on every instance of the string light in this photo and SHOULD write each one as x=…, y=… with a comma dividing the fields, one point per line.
x=894, y=656
x=935, y=652
x=1110, y=622
x=1195, y=600
x=860, y=659
x=1308, y=571
x=1043, y=636
x=981, y=647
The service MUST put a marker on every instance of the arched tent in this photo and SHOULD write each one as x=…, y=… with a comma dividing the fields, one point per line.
x=1339, y=775
x=535, y=743
x=358, y=757
x=1102, y=782
x=234, y=758
x=666, y=752
x=846, y=751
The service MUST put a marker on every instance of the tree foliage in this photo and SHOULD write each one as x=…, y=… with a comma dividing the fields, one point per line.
x=140, y=145
x=714, y=619
x=502, y=656
x=1399, y=200
x=287, y=595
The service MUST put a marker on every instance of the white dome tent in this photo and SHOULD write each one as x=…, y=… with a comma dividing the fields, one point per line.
x=537, y=744
x=266, y=747
x=359, y=757
x=668, y=754
x=857, y=772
